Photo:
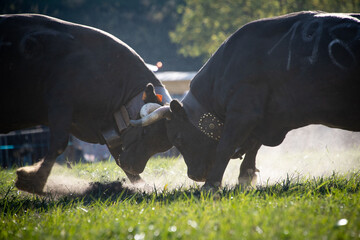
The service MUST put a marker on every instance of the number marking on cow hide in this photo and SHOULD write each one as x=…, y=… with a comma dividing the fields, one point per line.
x=291, y=31
x=312, y=32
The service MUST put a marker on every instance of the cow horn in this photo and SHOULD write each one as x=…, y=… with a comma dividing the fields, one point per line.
x=155, y=116
x=148, y=108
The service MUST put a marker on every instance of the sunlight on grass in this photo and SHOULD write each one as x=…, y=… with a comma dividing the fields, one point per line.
x=303, y=193
x=291, y=208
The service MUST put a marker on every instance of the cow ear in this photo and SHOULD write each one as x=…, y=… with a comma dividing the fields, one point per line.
x=149, y=95
x=177, y=108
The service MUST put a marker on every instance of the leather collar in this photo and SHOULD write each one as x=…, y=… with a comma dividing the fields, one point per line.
x=128, y=112
x=208, y=123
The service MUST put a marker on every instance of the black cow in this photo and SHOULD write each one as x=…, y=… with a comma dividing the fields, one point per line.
x=271, y=76
x=79, y=80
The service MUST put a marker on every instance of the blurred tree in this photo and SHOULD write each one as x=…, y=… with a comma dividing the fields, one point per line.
x=205, y=24
x=142, y=24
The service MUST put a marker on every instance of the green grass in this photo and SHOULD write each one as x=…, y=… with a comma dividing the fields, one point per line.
x=290, y=209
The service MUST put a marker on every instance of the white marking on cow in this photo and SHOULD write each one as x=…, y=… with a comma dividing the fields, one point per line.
x=315, y=37
x=343, y=44
x=292, y=30
x=346, y=48
x=309, y=37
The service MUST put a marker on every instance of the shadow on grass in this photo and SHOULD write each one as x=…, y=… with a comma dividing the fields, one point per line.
x=13, y=201
x=115, y=192
x=118, y=191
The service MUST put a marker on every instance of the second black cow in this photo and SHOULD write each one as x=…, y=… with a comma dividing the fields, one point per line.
x=269, y=77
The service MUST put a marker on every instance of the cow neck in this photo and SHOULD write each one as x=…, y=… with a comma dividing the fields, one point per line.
x=127, y=112
x=205, y=121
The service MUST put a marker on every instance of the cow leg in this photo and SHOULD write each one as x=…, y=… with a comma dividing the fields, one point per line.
x=33, y=178
x=227, y=145
x=239, y=123
x=248, y=167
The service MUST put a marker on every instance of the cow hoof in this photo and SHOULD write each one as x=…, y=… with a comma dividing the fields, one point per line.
x=211, y=187
x=248, y=181
x=31, y=179
x=211, y=190
x=136, y=179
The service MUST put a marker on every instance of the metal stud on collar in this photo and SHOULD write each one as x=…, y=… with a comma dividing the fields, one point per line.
x=211, y=126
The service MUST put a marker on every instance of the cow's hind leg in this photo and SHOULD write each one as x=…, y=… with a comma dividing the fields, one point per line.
x=247, y=176
x=33, y=178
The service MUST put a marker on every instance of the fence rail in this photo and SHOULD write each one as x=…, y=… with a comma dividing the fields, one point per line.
x=23, y=147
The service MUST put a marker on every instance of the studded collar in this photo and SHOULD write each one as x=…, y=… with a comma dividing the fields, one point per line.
x=208, y=123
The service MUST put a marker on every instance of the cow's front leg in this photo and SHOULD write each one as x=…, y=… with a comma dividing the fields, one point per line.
x=247, y=176
x=232, y=137
x=33, y=178
x=244, y=112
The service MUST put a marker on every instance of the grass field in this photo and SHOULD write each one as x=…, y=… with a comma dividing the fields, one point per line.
x=96, y=204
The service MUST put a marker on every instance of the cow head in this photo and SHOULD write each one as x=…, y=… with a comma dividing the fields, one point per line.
x=138, y=144
x=197, y=143
x=197, y=148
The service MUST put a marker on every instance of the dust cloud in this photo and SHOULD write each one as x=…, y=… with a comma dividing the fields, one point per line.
x=173, y=177
x=308, y=152
x=65, y=184
x=312, y=151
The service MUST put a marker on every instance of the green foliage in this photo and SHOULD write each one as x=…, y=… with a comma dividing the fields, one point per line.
x=320, y=208
x=206, y=24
